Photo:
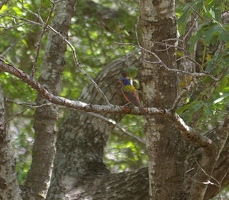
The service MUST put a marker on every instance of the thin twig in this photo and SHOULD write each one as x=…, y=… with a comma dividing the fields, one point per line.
x=132, y=136
x=160, y=62
x=12, y=45
x=38, y=45
x=17, y=114
x=30, y=105
x=209, y=176
x=181, y=95
x=73, y=52
x=79, y=66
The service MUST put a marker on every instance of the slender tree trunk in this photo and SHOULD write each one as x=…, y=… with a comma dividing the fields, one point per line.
x=166, y=149
x=46, y=116
x=9, y=189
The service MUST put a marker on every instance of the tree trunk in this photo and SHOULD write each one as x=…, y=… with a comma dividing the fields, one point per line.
x=46, y=116
x=9, y=189
x=166, y=149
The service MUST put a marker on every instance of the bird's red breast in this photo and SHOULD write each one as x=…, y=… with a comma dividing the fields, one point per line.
x=131, y=94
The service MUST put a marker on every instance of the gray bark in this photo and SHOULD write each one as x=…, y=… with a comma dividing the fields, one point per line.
x=166, y=149
x=9, y=188
x=46, y=116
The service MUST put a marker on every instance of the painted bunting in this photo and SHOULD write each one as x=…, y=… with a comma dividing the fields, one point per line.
x=131, y=94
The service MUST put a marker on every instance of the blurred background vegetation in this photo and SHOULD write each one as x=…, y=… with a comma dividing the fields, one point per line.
x=102, y=31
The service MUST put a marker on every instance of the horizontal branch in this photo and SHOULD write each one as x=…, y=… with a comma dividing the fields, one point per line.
x=187, y=132
x=78, y=105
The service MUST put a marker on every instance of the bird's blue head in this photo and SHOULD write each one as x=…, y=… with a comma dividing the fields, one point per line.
x=125, y=81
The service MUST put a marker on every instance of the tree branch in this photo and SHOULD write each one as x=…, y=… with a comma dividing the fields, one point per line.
x=106, y=187
x=187, y=132
x=190, y=134
x=10, y=68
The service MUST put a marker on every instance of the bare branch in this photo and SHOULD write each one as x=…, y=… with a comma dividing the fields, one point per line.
x=27, y=104
x=190, y=134
x=7, y=67
x=38, y=45
x=187, y=132
x=161, y=63
x=182, y=93
x=79, y=66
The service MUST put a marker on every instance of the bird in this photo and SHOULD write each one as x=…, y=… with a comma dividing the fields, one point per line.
x=130, y=93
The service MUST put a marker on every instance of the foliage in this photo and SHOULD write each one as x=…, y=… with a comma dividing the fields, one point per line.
x=122, y=152
x=211, y=99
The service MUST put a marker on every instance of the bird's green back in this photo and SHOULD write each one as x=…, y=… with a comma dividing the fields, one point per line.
x=129, y=88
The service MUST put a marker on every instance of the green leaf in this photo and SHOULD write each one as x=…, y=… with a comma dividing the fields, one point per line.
x=223, y=84
x=223, y=36
x=208, y=109
x=182, y=21
x=197, y=106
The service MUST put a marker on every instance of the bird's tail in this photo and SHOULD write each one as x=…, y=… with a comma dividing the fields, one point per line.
x=141, y=108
